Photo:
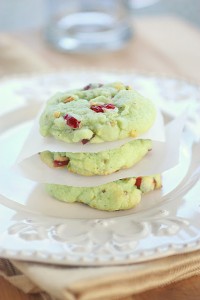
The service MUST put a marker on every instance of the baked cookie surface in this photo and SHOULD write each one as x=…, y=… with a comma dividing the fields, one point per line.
x=97, y=113
x=118, y=195
x=100, y=163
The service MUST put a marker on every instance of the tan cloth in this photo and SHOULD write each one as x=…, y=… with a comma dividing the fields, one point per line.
x=21, y=281
x=162, y=45
x=100, y=283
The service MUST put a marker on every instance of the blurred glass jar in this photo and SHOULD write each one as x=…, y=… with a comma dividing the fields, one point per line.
x=88, y=25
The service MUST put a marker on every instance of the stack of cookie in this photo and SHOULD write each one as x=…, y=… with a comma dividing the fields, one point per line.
x=96, y=114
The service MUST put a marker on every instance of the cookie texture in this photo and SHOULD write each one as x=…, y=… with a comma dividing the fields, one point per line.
x=100, y=163
x=118, y=195
x=97, y=113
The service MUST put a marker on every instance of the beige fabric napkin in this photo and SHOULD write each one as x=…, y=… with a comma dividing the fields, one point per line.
x=100, y=283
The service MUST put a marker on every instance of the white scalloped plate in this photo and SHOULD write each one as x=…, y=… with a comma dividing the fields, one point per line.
x=36, y=227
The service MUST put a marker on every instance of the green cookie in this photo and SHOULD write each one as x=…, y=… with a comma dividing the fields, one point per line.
x=100, y=163
x=97, y=113
x=118, y=195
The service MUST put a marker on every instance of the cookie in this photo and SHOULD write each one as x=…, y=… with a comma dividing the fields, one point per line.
x=118, y=195
x=97, y=113
x=100, y=163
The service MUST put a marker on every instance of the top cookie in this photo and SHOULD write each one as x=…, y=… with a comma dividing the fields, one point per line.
x=97, y=113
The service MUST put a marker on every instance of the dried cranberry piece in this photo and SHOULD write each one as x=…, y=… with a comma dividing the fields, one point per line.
x=59, y=163
x=109, y=106
x=84, y=141
x=100, y=108
x=138, y=182
x=97, y=108
x=89, y=86
x=71, y=121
